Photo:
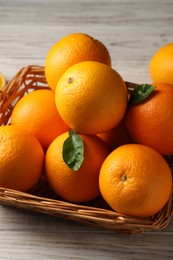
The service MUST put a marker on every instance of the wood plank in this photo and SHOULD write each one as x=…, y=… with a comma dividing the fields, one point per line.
x=90, y=12
x=130, y=55
x=34, y=236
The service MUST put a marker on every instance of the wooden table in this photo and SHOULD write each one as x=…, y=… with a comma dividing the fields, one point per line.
x=132, y=30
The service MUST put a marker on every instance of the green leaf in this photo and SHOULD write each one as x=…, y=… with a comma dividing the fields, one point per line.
x=140, y=93
x=73, y=151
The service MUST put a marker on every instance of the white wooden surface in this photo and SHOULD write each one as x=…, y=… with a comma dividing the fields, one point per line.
x=132, y=30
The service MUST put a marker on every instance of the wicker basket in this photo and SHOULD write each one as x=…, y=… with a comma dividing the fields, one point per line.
x=41, y=198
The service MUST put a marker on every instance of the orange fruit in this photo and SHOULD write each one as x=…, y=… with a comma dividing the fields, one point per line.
x=151, y=122
x=36, y=112
x=2, y=81
x=70, y=50
x=116, y=136
x=81, y=185
x=91, y=97
x=161, y=64
x=135, y=180
x=22, y=159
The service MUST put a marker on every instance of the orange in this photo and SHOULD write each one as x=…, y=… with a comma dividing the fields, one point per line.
x=151, y=122
x=2, y=81
x=81, y=185
x=70, y=50
x=91, y=97
x=135, y=180
x=22, y=159
x=116, y=136
x=161, y=64
x=36, y=112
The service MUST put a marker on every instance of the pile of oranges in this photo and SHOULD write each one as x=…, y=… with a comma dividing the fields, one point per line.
x=89, y=135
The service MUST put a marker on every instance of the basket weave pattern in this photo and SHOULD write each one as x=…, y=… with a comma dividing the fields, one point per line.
x=41, y=198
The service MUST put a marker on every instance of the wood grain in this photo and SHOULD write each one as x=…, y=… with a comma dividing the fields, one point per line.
x=132, y=30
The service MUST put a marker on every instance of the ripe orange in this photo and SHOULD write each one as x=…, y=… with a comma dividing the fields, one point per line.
x=81, y=185
x=2, y=81
x=70, y=50
x=116, y=136
x=135, y=180
x=151, y=122
x=91, y=97
x=36, y=112
x=22, y=159
x=161, y=65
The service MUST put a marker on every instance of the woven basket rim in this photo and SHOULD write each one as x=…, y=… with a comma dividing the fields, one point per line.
x=32, y=77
